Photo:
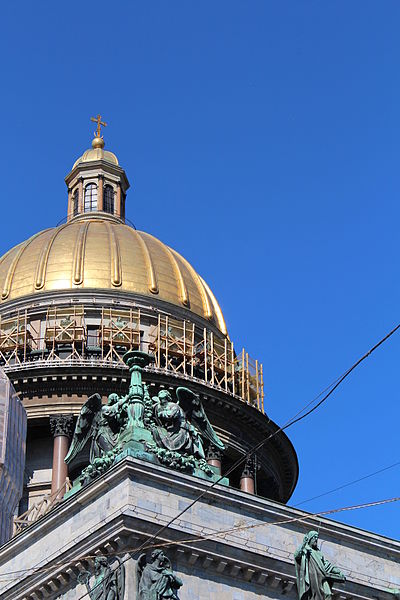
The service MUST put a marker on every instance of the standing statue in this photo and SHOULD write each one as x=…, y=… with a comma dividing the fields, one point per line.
x=181, y=426
x=156, y=580
x=314, y=572
x=108, y=582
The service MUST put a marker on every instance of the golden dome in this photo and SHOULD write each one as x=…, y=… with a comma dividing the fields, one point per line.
x=97, y=152
x=96, y=251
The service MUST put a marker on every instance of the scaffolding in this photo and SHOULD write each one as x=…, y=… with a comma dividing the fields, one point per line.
x=75, y=334
x=15, y=338
x=249, y=381
x=64, y=335
x=119, y=332
x=172, y=343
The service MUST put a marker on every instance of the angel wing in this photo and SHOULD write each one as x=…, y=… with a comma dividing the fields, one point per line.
x=120, y=579
x=140, y=565
x=194, y=410
x=83, y=428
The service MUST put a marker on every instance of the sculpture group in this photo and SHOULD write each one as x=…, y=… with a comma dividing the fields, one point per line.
x=172, y=431
x=175, y=432
x=155, y=578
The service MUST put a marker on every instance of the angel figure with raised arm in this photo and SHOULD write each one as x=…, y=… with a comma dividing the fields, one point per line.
x=314, y=572
x=156, y=579
x=183, y=426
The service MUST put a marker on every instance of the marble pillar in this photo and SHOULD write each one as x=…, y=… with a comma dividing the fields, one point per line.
x=61, y=427
x=247, y=479
x=214, y=458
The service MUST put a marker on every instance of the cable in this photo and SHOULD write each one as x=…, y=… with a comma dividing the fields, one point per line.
x=297, y=418
x=212, y=535
x=340, y=487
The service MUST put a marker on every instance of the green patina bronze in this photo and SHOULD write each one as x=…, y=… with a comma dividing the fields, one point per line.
x=314, y=572
x=156, y=579
x=108, y=580
x=173, y=432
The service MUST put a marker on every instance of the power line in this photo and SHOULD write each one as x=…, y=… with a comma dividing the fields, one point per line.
x=296, y=419
x=341, y=487
x=217, y=533
x=291, y=422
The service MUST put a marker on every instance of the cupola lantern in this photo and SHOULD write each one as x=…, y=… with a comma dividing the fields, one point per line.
x=97, y=184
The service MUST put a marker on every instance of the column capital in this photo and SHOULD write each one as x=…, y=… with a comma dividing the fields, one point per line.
x=249, y=468
x=61, y=425
x=214, y=454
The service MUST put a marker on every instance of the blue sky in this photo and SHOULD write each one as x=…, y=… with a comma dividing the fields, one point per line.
x=262, y=141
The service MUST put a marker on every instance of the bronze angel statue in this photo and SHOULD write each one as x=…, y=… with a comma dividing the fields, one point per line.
x=183, y=426
x=96, y=431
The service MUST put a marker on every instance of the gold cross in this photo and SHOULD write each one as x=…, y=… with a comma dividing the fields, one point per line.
x=99, y=124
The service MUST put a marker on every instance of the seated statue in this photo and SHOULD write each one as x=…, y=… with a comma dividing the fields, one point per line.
x=182, y=425
x=156, y=580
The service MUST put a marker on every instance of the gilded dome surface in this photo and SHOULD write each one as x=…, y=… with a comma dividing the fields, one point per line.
x=99, y=252
x=96, y=154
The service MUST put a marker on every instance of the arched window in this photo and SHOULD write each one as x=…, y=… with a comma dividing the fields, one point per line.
x=90, y=197
x=75, y=203
x=108, y=200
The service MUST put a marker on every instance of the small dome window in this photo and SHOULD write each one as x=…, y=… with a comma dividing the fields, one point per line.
x=90, y=197
x=75, y=203
x=108, y=201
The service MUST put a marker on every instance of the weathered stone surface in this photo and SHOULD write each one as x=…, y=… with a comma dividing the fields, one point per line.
x=134, y=499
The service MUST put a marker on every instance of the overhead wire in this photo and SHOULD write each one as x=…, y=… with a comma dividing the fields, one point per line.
x=205, y=537
x=341, y=487
x=299, y=416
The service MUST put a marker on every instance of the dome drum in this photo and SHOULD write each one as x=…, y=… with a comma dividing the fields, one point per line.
x=97, y=334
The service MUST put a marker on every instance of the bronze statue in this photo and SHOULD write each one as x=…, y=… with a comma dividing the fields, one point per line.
x=313, y=571
x=108, y=582
x=97, y=427
x=160, y=429
x=182, y=425
x=156, y=580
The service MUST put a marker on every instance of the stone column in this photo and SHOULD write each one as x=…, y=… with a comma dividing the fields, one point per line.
x=214, y=458
x=61, y=428
x=80, y=199
x=69, y=209
x=247, y=479
x=100, y=193
x=118, y=208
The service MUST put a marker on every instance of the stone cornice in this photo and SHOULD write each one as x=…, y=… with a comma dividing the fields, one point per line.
x=234, y=555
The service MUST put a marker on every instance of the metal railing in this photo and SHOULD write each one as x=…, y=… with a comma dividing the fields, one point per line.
x=41, y=508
